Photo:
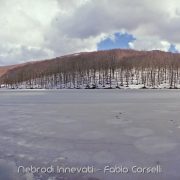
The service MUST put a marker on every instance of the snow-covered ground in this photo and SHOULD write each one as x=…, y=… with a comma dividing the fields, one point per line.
x=80, y=128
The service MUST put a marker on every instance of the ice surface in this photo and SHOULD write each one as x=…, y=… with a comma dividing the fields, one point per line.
x=138, y=132
x=155, y=145
x=89, y=127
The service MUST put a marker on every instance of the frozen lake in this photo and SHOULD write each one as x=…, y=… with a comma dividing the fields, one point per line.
x=99, y=128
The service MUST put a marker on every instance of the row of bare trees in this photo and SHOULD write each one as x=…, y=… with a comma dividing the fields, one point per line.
x=104, y=69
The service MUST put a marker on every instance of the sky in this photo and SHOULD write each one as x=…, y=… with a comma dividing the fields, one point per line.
x=43, y=29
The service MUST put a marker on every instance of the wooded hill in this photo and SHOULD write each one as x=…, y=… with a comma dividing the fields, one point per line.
x=101, y=69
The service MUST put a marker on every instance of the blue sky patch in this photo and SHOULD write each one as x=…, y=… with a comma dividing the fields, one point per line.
x=120, y=40
x=173, y=49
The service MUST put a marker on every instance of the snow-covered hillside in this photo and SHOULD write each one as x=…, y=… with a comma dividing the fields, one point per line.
x=103, y=69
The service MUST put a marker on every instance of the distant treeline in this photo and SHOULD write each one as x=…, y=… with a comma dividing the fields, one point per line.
x=103, y=69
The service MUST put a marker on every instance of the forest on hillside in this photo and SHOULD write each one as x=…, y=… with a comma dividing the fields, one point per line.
x=101, y=69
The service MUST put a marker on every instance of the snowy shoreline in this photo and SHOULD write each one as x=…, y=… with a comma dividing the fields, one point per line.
x=134, y=87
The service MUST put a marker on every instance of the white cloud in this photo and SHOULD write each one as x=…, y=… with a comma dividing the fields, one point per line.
x=154, y=24
x=23, y=26
x=46, y=28
x=150, y=43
